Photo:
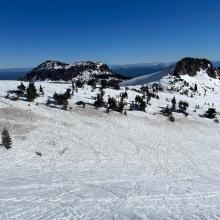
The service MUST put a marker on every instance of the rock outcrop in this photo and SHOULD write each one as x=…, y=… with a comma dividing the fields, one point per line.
x=55, y=70
x=191, y=66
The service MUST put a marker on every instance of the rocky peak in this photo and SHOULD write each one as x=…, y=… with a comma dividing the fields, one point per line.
x=191, y=66
x=50, y=64
x=84, y=70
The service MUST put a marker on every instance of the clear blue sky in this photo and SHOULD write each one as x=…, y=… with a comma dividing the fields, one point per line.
x=113, y=31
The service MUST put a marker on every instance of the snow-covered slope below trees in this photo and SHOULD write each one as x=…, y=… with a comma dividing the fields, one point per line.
x=111, y=166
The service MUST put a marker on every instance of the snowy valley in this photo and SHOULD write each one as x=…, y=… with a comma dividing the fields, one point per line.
x=96, y=145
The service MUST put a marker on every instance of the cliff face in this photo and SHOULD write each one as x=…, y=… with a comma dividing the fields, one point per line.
x=55, y=70
x=190, y=66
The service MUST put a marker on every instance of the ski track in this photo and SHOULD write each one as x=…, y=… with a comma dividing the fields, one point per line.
x=99, y=166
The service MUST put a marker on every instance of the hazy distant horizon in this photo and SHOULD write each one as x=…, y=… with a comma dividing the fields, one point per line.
x=129, y=70
x=5, y=69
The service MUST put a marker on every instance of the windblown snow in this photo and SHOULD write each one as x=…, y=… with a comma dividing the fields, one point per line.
x=110, y=166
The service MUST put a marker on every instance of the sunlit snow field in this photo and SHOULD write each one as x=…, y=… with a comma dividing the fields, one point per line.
x=108, y=166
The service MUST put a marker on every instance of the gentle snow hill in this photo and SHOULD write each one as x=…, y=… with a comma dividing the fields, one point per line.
x=108, y=166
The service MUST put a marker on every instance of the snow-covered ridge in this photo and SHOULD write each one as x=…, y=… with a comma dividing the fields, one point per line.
x=84, y=63
x=50, y=65
x=84, y=70
x=54, y=65
x=199, y=69
x=148, y=78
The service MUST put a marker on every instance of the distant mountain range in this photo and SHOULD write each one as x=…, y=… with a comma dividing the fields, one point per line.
x=135, y=70
x=129, y=70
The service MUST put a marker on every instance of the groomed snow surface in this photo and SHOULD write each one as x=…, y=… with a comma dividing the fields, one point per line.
x=108, y=166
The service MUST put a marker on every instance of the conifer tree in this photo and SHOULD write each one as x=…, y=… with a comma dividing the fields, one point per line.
x=73, y=85
x=67, y=94
x=124, y=95
x=104, y=84
x=99, y=101
x=6, y=139
x=195, y=88
x=92, y=83
x=121, y=105
x=79, y=84
x=142, y=105
x=112, y=104
x=211, y=113
x=62, y=99
x=166, y=111
x=148, y=99
x=183, y=106
x=173, y=103
x=41, y=90
x=102, y=92
x=21, y=87
x=31, y=92
x=171, y=118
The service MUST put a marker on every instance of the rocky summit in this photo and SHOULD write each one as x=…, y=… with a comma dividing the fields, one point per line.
x=191, y=66
x=86, y=70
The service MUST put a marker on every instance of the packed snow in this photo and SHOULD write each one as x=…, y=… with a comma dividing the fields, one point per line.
x=110, y=166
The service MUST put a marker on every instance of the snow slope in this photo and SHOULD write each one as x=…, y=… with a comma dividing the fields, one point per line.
x=148, y=78
x=108, y=166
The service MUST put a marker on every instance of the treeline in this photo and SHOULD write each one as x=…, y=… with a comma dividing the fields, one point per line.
x=28, y=93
